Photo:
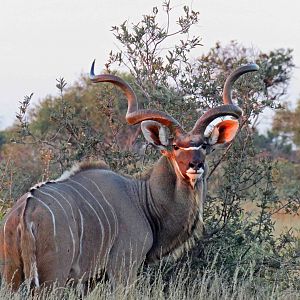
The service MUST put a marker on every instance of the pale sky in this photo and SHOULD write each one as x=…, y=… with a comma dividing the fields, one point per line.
x=43, y=40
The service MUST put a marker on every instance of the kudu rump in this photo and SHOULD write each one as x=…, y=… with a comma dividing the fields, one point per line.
x=92, y=218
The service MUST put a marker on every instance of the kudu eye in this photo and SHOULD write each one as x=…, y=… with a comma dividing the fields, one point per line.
x=175, y=147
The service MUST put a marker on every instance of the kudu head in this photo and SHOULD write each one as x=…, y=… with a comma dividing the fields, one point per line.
x=185, y=150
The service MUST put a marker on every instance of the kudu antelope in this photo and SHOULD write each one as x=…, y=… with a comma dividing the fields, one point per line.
x=92, y=217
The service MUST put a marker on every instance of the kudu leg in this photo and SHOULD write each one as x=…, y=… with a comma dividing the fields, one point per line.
x=124, y=260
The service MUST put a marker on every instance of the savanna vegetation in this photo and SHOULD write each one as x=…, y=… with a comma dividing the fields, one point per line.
x=253, y=182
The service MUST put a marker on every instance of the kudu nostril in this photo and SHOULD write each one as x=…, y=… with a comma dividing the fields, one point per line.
x=200, y=165
x=196, y=165
x=191, y=165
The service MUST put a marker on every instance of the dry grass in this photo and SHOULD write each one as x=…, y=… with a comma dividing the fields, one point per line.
x=208, y=286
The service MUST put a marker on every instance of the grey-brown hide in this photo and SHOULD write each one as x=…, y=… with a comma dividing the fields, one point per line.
x=94, y=221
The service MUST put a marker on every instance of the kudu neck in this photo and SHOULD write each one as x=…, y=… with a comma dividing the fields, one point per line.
x=164, y=181
x=172, y=208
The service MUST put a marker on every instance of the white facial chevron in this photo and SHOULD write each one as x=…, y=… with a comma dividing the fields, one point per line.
x=190, y=148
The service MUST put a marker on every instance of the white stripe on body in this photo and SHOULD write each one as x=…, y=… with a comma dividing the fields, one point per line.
x=81, y=233
x=54, y=188
x=110, y=206
x=99, y=204
x=34, y=266
x=53, y=219
x=92, y=208
x=71, y=233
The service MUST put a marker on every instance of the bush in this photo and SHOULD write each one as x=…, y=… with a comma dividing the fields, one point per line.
x=65, y=129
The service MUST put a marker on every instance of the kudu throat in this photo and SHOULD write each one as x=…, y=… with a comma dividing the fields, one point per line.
x=173, y=208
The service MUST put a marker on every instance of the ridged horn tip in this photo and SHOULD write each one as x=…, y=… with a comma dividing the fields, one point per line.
x=252, y=67
x=92, y=72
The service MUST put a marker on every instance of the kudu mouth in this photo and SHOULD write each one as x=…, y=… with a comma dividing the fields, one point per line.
x=192, y=173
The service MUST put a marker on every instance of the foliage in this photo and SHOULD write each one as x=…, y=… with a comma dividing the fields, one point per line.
x=277, y=145
x=243, y=238
x=76, y=125
x=61, y=130
x=286, y=123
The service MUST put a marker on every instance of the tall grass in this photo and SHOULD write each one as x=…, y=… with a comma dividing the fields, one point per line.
x=210, y=285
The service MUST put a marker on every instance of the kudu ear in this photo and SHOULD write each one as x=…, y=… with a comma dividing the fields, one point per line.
x=155, y=133
x=224, y=132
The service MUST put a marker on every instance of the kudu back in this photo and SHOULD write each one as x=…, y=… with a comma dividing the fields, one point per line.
x=93, y=221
